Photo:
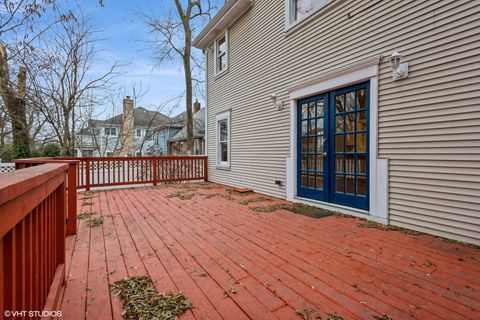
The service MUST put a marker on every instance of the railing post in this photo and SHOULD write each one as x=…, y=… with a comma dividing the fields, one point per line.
x=205, y=169
x=72, y=198
x=87, y=174
x=19, y=165
x=154, y=171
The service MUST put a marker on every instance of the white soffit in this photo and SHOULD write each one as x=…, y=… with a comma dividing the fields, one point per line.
x=231, y=12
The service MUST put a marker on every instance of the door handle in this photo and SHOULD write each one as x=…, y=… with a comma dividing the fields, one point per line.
x=324, y=154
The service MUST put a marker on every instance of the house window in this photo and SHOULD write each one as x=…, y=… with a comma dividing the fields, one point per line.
x=110, y=131
x=139, y=132
x=109, y=154
x=221, y=54
x=300, y=9
x=148, y=135
x=87, y=153
x=223, y=139
x=139, y=154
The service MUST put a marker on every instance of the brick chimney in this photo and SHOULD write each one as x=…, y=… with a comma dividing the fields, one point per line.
x=128, y=147
x=196, y=106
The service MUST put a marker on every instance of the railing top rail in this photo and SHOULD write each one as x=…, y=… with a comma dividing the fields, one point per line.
x=19, y=182
x=133, y=158
x=46, y=160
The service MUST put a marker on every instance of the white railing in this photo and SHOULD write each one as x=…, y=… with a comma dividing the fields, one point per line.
x=7, y=167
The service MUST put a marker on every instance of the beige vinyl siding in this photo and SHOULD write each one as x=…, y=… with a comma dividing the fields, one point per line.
x=428, y=124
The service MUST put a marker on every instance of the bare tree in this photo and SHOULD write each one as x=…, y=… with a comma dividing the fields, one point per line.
x=5, y=128
x=20, y=28
x=66, y=80
x=13, y=97
x=173, y=42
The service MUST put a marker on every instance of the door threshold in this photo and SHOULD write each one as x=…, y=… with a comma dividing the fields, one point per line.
x=359, y=213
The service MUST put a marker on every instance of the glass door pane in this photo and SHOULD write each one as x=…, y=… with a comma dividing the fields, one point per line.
x=333, y=147
x=349, y=111
x=311, y=146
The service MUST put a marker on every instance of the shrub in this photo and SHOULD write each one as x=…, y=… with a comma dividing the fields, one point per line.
x=52, y=150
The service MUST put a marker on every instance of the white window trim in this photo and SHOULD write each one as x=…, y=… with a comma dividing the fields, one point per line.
x=289, y=24
x=219, y=117
x=110, y=131
x=378, y=188
x=215, y=47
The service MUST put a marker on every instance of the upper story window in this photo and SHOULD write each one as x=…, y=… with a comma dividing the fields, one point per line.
x=139, y=132
x=221, y=54
x=110, y=131
x=300, y=9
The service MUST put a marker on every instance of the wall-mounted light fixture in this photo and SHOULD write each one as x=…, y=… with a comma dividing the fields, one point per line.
x=400, y=70
x=276, y=103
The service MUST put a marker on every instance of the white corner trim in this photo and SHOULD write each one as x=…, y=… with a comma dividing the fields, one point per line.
x=378, y=175
x=205, y=140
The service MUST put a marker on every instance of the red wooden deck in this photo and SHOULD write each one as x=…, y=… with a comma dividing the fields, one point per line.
x=234, y=263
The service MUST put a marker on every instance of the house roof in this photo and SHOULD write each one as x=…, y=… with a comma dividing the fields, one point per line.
x=141, y=118
x=230, y=12
x=198, y=127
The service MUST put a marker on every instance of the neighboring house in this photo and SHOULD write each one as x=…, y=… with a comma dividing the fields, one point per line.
x=302, y=104
x=129, y=133
x=163, y=134
x=178, y=143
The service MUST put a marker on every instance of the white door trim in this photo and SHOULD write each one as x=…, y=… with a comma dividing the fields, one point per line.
x=378, y=189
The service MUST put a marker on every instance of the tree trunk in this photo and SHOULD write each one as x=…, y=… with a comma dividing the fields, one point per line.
x=67, y=137
x=188, y=89
x=15, y=104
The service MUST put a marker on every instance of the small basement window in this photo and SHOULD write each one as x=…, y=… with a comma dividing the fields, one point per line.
x=221, y=54
x=301, y=9
x=223, y=139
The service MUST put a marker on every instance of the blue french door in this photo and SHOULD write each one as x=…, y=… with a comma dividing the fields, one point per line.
x=333, y=147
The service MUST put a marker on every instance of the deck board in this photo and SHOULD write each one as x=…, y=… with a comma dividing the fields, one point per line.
x=234, y=263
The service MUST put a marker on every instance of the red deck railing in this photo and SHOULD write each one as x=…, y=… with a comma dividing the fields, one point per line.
x=32, y=238
x=117, y=171
x=90, y=172
x=71, y=185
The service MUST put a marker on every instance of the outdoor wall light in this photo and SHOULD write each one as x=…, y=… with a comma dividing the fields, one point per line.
x=276, y=103
x=400, y=70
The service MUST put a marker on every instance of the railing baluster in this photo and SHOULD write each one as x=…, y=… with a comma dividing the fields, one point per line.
x=87, y=176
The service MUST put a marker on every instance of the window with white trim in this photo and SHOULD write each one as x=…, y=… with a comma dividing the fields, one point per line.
x=223, y=139
x=139, y=132
x=300, y=9
x=148, y=135
x=110, y=131
x=221, y=54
